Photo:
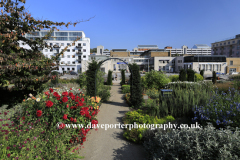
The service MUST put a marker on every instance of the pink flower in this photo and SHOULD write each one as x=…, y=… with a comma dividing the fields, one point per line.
x=8, y=155
x=8, y=148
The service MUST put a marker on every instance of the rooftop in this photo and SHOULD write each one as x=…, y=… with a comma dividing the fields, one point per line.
x=147, y=46
x=197, y=46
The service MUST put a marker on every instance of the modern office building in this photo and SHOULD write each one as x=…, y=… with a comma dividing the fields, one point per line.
x=145, y=47
x=197, y=49
x=75, y=54
x=228, y=47
x=207, y=63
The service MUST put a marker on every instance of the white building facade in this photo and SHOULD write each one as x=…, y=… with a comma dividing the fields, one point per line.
x=72, y=59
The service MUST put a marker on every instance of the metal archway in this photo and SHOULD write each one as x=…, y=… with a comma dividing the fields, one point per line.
x=105, y=61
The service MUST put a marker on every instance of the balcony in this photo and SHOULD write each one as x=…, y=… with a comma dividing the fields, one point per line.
x=78, y=46
x=79, y=52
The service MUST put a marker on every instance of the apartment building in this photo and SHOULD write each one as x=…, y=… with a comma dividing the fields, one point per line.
x=233, y=65
x=229, y=47
x=197, y=49
x=75, y=54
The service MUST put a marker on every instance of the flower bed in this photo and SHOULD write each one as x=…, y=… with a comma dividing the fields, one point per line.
x=34, y=134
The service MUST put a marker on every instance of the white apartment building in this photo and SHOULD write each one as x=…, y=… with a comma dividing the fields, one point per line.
x=197, y=49
x=72, y=59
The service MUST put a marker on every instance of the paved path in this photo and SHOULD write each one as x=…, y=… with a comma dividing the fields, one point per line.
x=110, y=144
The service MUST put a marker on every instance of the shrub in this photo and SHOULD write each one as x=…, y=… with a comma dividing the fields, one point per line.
x=104, y=93
x=153, y=93
x=125, y=89
x=154, y=79
x=138, y=117
x=82, y=80
x=198, y=77
x=182, y=75
x=123, y=77
x=214, y=77
x=194, y=144
x=135, y=89
x=202, y=72
x=190, y=75
x=221, y=110
x=174, y=78
x=109, y=80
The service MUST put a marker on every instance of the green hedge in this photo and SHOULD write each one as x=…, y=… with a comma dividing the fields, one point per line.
x=125, y=89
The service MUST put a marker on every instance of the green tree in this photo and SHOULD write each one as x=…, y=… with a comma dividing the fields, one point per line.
x=182, y=75
x=106, y=50
x=123, y=76
x=93, y=50
x=109, y=80
x=190, y=75
x=202, y=72
x=214, y=79
x=25, y=68
x=135, y=89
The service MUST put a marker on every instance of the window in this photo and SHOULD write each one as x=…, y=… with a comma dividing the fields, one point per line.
x=114, y=67
x=84, y=56
x=63, y=69
x=233, y=47
x=167, y=61
x=179, y=61
x=84, y=44
x=73, y=56
x=68, y=44
x=224, y=43
x=73, y=62
x=68, y=50
x=51, y=50
x=57, y=44
x=68, y=62
x=220, y=44
x=231, y=62
x=238, y=53
x=84, y=50
x=233, y=41
x=163, y=67
x=163, y=61
x=73, y=69
x=217, y=44
x=68, y=56
x=62, y=62
x=228, y=42
x=46, y=50
x=238, y=47
x=73, y=44
x=68, y=69
x=62, y=44
x=73, y=50
x=79, y=44
x=79, y=61
x=51, y=44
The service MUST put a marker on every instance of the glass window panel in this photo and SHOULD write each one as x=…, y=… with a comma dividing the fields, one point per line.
x=61, y=33
x=62, y=38
x=79, y=34
x=72, y=38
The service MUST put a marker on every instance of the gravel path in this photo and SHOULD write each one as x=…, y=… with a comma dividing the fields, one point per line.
x=110, y=144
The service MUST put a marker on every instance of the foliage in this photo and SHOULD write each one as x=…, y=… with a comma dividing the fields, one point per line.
x=182, y=75
x=192, y=144
x=154, y=79
x=109, y=80
x=135, y=89
x=25, y=68
x=93, y=50
x=125, y=89
x=123, y=77
x=214, y=77
x=153, y=93
x=184, y=97
x=135, y=132
x=104, y=93
x=174, y=78
x=198, y=77
x=190, y=75
x=202, y=72
x=92, y=67
x=221, y=110
x=82, y=80
x=55, y=77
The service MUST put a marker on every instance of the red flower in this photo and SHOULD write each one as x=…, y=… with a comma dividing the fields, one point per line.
x=65, y=94
x=94, y=122
x=64, y=99
x=70, y=94
x=82, y=99
x=23, y=118
x=39, y=113
x=88, y=115
x=51, y=90
x=75, y=120
x=82, y=112
x=80, y=104
x=65, y=116
x=71, y=119
x=93, y=113
x=46, y=93
x=84, y=139
x=8, y=155
x=61, y=126
x=49, y=104
x=70, y=88
x=67, y=105
x=5, y=113
x=59, y=97
x=73, y=97
x=55, y=94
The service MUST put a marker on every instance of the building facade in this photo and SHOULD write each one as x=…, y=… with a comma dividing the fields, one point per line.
x=197, y=49
x=72, y=59
x=229, y=47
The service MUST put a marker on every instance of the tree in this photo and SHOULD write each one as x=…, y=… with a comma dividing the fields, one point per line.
x=93, y=50
x=109, y=80
x=214, y=79
x=25, y=68
x=106, y=50
x=123, y=77
x=135, y=88
x=202, y=72
x=182, y=75
x=190, y=75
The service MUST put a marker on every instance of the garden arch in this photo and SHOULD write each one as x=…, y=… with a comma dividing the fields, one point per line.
x=105, y=61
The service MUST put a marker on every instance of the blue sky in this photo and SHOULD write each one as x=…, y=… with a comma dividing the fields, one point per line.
x=124, y=24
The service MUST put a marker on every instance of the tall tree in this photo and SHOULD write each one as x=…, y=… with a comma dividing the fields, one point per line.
x=26, y=68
